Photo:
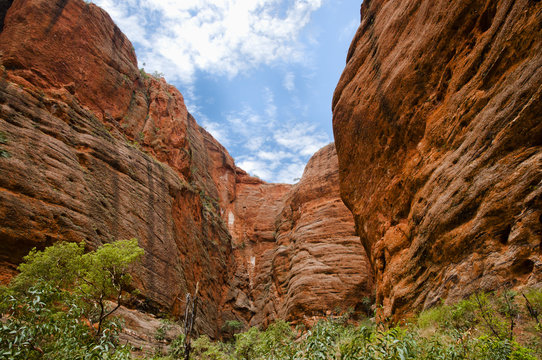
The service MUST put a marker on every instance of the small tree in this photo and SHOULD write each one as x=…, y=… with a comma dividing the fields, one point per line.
x=96, y=276
x=44, y=311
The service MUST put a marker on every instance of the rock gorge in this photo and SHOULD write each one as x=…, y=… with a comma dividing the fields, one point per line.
x=438, y=126
x=96, y=150
x=437, y=123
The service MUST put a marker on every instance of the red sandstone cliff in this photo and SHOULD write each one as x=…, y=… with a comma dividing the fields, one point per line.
x=100, y=151
x=297, y=253
x=438, y=127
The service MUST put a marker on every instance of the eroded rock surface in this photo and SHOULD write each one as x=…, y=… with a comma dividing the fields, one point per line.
x=438, y=128
x=100, y=151
x=97, y=150
x=301, y=259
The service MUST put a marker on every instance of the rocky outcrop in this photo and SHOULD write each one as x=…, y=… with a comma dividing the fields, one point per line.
x=437, y=122
x=98, y=150
x=145, y=333
x=93, y=149
x=299, y=258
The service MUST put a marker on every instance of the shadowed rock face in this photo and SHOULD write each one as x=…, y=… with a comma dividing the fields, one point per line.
x=99, y=151
x=437, y=122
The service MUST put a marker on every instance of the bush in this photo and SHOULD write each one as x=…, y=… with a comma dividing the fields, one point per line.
x=464, y=330
x=45, y=322
x=204, y=349
x=56, y=307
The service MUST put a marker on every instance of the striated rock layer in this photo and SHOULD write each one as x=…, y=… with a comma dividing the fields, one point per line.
x=438, y=128
x=298, y=255
x=100, y=151
x=93, y=149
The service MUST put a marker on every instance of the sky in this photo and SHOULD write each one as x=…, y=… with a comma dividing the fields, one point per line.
x=259, y=75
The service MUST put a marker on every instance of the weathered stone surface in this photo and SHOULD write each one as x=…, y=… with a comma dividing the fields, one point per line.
x=297, y=252
x=99, y=151
x=437, y=122
x=146, y=334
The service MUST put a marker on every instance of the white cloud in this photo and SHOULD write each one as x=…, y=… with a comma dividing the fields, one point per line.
x=274, y=156
x=185, y=38
x=270, y=107
x=301, y=138
x=254, y=143
x=256, y=167
x=289, y=81
x=220, y=37
x=217, y=130
x=290, y=173
x=274, y=151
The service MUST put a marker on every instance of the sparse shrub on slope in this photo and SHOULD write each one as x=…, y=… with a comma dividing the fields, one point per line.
x=482, y=327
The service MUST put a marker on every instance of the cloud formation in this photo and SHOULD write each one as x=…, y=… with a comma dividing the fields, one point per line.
x=289, y=81
x=219, y=37
x=224, y=38
x=273, y=150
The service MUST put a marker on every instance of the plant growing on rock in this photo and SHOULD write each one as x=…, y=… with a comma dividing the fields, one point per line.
x=3, y=140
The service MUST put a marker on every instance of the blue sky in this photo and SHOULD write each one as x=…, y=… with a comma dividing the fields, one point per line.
x=257, y=74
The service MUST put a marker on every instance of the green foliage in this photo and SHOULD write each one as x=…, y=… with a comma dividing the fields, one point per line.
x=96, y=276
x=49, y=311
x=203, y=348
x=144, y=74
x=533, y=299
x=45, y=322
x=445, y=332
x=163, y=329
x=245, y=344
x=231, y=327
x=234, y=324
x=104, y=272
x=57, y=265
x=51, y=306
x=157, y=75
x=366, y=343
x=3, y=140
x=321, y=339
x=277, y=342
x=176, y=348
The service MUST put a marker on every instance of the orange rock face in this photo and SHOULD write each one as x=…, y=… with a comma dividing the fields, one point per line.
x=297, y=252
x=98, y=151
x=437, y=122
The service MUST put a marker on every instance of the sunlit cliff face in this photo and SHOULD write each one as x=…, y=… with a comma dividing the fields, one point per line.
x=436, y=122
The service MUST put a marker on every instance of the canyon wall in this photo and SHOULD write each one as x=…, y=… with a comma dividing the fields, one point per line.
x=97, y=150
x=92, y=149
x=438, y=127
x=299, y=258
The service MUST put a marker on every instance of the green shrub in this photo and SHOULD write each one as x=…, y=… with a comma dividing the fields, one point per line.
x=45, y=322
x=3, y=140
x=321, y=339
x=55, y=308
x=204, y=349
x=246, y=343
